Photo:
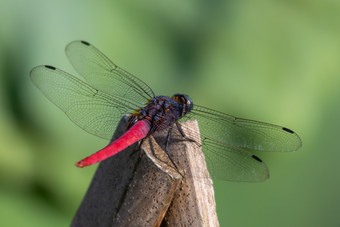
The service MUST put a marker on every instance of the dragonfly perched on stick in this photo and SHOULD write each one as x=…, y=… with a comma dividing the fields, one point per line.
x=110, y=92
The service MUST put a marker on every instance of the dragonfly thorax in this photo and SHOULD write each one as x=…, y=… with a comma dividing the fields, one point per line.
x=163, y=111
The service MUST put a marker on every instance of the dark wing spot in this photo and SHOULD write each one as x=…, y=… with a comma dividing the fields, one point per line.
x=287, y=130
x=86, y=43
x=50, y=67
x=256, y=158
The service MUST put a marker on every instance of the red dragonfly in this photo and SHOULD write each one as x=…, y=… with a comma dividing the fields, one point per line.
x=110, y=92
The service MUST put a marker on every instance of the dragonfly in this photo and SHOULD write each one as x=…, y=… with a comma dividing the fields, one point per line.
x=108, y=93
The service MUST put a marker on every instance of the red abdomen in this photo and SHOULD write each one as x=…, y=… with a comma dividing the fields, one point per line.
x=136, y=132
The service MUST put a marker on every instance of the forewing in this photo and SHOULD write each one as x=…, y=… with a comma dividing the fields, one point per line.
x=243, y=133
x=103, y=74
x=93, y=110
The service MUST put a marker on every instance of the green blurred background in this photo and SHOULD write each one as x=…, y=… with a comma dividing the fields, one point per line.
x=273, y=61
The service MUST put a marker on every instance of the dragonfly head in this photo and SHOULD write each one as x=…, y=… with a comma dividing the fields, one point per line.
x=185, y=101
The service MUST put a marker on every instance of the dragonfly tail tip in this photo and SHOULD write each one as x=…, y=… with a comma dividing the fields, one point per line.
x=80, y=164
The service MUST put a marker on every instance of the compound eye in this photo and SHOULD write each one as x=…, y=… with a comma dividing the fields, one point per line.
x=178, y=98
x=189, y=103
x=184, y=100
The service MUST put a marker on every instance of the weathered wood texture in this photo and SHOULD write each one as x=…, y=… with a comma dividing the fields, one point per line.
x=140, y=187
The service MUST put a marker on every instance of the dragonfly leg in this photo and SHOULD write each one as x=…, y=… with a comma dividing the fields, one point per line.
x=152, y=149
x=166, y=151
x=168, y=140
x=180, y=130
x=183, y=134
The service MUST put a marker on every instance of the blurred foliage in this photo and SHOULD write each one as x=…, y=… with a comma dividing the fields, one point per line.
x=273, y=61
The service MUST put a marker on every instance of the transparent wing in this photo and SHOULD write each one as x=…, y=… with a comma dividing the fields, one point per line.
x=103, y=74
x=243, y=133
x=230, y=163
x=93, y=110
x=224, y=162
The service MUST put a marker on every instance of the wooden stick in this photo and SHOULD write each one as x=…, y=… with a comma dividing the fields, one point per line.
x=140, y=186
